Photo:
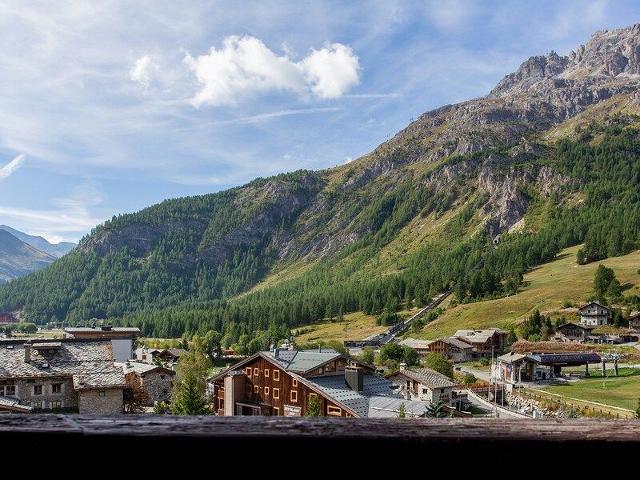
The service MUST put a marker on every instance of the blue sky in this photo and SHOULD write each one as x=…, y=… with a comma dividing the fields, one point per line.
x=107, y=107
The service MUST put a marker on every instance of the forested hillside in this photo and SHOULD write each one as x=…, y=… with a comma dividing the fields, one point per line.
x=467, y=198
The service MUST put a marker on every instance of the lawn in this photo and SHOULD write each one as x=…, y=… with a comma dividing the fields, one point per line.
x=547, y=288
x=355, y=326
x=622, y=391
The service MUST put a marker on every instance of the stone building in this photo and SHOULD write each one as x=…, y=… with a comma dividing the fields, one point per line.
x=63, y=375
x=123, y=339
x=423, y=384
x=155, y=380
x=594, y=314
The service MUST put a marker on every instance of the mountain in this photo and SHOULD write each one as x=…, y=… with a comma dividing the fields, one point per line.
x=18, y=258
x=467, y=198
x=54, y=249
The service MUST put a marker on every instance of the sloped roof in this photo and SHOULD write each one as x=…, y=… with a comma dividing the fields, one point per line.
x=456, y=342
x=143, y=368
x=302, y=361
x=377, y=398
x=90, y=359
x=579, y=358
x=415, y=343
x=511, y=357
x=13, y=405
x=477, y=336
x=592, y=303
x=113, y=378
x=427, y=377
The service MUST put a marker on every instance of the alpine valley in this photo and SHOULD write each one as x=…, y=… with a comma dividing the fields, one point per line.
x=468, y=198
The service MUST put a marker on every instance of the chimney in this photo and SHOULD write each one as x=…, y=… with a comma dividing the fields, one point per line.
x=354, y=377
x=276, y=352
x=27, y=352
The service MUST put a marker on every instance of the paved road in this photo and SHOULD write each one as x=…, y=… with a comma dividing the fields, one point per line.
x=480, y=374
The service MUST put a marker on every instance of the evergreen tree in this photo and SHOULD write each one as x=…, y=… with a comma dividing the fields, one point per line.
x=189, y=398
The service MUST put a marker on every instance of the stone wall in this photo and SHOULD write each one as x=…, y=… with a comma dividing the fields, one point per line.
x=103, y=402
x=26, y=393
x=158, y=386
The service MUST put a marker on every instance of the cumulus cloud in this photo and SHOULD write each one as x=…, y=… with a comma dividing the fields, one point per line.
x=143, y=71
x=245, y=66
x=11, y=167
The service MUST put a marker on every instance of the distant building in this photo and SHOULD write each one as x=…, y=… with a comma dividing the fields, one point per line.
x=572, y=332
x=420, y=346
x=423, y=384
x=514, y=368
x=453, y=348
x=282, y=383
x=61, y=375
x=155, y=380
x=123, y=339
x=594, y=314
x=634, y=321
x=484, y=342
x=8, y=318
x=167, y=356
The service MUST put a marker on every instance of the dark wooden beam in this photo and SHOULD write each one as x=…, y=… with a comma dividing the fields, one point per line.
x=236, y=436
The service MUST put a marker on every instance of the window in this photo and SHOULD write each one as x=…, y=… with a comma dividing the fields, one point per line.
x=266, y=373
x=266, y=391
x=7, y=390
x=56, y=404
x=37, y=404
x=295, y=383
x=276, y=393
x=276, y=411
x=248, y=371
x=37, y=389
x=276, y=375
x=248, y=389
x=294, y=396
x=165, y=391
x=442, y=390
x=102, y=393
x=256, y=389
x=162, y=377
x=256, y=372
x=425, y=390
x=334, y=411
x=56, y=388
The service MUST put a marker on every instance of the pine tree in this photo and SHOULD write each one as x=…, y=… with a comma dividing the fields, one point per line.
x=313, y=408
x=189, y=399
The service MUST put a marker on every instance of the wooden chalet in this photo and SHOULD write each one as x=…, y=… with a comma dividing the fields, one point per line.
x=484, y=342
x=424, y=384
x=572, y=332
x=283, y=382
x=453, y=348
x=634, y=321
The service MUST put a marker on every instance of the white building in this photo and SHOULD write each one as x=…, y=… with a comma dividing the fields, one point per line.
x=594, y=314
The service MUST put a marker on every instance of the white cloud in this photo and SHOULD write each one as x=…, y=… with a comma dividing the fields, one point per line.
x=245, y=66
x=332, y=70
x=11, y=167
x=143, y=71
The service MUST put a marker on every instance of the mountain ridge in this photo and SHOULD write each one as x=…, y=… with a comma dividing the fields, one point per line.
x=18, y=258
x=54, y=249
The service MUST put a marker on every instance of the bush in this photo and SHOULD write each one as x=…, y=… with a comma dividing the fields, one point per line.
x=469, y=379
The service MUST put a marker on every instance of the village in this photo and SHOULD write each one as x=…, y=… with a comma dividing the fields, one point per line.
x=107, y=370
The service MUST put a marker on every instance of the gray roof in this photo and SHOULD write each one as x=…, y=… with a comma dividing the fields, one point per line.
x=92, y=360
x=456, y=342
x=302, y=361
x=142, y=368
x=511, y=357
x=377, y=399
x=13, y=404
x=415, y=343
x=427, y=377
x=477, y=336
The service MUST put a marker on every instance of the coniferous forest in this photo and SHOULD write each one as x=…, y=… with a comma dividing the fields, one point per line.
x=197, y=276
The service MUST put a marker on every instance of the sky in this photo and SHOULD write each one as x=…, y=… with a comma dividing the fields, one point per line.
x=108, y=107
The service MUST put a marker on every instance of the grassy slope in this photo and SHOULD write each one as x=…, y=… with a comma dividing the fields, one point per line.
x=546, y=288
x=354, y=326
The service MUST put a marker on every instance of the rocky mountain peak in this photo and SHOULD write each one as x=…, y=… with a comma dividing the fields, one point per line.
x=607, y=55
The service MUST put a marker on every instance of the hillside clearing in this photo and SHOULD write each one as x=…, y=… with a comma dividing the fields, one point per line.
x=546, y=288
